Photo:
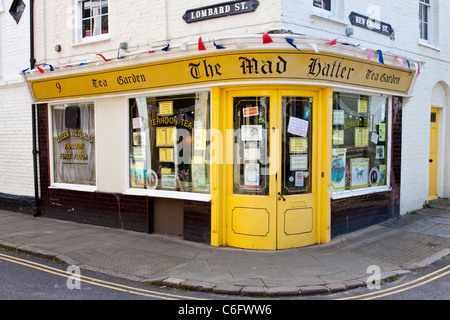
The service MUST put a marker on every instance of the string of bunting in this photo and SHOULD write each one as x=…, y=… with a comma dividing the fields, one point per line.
x=266, y=39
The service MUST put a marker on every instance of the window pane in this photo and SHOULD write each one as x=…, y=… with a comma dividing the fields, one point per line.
x=74, y=144
x=297, y=147
x=323, y=4
x=86, y=28
x=169, y=143
x=104, y=24
x=251, y=145
x=360, y=141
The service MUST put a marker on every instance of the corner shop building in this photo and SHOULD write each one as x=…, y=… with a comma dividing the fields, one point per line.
x=259, y=149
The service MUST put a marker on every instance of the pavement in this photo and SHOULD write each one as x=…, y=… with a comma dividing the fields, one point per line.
x=396, y=247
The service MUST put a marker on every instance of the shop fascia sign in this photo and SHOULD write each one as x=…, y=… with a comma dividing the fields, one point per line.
x=228, y=67
x=365, y=22
x=220, y=10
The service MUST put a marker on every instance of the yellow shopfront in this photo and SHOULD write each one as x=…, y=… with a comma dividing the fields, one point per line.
x=265, y=134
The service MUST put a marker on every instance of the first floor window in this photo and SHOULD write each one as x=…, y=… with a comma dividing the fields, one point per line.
x=169, y=143
x=360, y=141
x=73, y=138
x=424, y=19
x=322, y=4
x=94, y=18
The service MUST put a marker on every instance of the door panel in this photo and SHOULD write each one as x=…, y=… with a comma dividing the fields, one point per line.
x=272, y=180
x=296, y=213
x=251, y=205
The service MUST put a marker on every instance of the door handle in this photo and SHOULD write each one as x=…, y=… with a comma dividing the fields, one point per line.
x=431, y=160
x=281, y=197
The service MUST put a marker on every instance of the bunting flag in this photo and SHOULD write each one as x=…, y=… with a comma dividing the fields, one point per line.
x=380, y=56
x=151, y=51
x=100, y=55
x=40, y=69
x=50, y=66
x=218, y=46
x=369, y=54
x=166, y=48
x=350, y=44
x=314, y=46
x=291, y=42
x=409, y=66
x=332, y=43
x=201, y=46
x=25, y=70
x=401, y=62
x=417, y=68
x=266, y=38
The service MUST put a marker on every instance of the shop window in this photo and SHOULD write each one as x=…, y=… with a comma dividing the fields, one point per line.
x=94, y=18
x=360, y=142
x=73, y=144
x=169, y=143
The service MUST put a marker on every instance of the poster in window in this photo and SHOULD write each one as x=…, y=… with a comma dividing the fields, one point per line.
x=338, y=117
x=379, y=153
x=299, y=162
x=168, y=180
x=362, y=105
x=200, y=139
x=138, y=139
x=165, y=108
x=361, y=137
x=338, y=137
x=382, y=132
x=251, y=174
x=338, y=168
x=251, y=133
x=298, y=127
x=166, y=155
x=359, y=171
x=165, y=136
x=298, y=145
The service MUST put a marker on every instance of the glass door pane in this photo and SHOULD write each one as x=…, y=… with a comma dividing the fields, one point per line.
x=251, y=152
x=296, y=145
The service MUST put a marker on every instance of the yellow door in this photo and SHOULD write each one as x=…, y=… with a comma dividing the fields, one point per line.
x=271, y=169
x=434, y=133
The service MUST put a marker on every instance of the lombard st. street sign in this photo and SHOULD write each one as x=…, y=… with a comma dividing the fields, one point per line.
x=220, y=10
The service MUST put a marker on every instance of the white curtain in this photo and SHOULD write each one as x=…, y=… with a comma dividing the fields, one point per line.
x=74, y=148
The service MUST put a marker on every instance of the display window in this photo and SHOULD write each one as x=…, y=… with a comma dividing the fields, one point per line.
x=73, y=141
x=169, y=143
x=360, y=142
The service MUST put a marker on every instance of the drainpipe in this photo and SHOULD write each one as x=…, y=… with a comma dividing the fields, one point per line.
x=37, y=209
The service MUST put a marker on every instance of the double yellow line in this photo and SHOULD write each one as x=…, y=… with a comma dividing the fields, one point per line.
x=94, y=281
x=403, y=287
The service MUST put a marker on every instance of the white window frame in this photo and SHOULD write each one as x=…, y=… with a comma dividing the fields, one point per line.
x=79, y=29
x=429, y=13
x=335, y=14
x=60, y=185
x=370, y=190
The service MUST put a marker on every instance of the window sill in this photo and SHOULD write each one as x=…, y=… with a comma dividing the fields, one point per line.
x=95, y=39
x=425, y=43
x=73, y=187
x=323, y=14
x=359, y=192
x=204, y=197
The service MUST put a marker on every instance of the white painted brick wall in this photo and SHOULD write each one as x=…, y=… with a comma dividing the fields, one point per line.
x=16, y=162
